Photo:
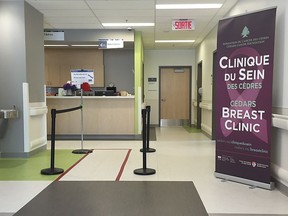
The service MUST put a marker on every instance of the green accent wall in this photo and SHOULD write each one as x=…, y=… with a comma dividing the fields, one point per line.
x=138, y=75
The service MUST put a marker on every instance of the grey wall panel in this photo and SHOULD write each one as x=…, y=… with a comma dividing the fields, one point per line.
x=34, y=53
x=119, y=69
x=15, y=59
x=12, y=72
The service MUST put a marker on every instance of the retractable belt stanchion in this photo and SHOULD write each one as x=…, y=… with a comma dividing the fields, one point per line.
x=148, y=149
x=52, y=170
x=82, y=151
x=144, y=170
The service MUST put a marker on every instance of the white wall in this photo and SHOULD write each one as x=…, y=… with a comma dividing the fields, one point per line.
x=205, y=54
x=280, y=100
x=153, y=59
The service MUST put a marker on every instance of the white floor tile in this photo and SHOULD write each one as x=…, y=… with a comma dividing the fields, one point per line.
x=179, y=156
x=103, y=165
x=15, y=194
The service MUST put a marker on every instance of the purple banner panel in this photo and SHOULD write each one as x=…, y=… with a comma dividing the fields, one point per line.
x=245, y=51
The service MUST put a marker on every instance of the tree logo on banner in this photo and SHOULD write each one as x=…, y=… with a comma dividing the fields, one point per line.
x=245, y=32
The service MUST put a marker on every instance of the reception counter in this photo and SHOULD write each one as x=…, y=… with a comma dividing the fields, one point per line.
x=102, y=115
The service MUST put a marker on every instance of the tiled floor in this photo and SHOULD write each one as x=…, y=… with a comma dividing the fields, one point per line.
x=179, y=156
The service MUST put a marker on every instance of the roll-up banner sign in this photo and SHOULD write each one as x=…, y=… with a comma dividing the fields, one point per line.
x=245, y=56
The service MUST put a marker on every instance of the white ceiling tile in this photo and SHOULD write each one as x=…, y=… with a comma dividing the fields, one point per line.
x=68, y=13
x=127, y=5
x=72, y=20
x=77, y=26
x=123, y=13
x=81, y=14
x=112, y=19
x=59, y=5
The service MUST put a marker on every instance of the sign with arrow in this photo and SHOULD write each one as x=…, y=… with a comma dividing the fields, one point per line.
x=111, y=43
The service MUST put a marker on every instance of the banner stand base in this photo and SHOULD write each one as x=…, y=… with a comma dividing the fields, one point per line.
x=267, y=186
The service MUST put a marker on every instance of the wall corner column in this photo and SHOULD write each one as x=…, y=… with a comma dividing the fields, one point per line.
x=138, y=79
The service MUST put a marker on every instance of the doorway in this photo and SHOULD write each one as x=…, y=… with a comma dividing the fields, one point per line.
x=175, y=96
x=199, y=95
x=214, y=96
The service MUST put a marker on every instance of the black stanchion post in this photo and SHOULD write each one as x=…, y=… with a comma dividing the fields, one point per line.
x=148, y=149
x=144, y=170
x=52, y=170
x=82, y=151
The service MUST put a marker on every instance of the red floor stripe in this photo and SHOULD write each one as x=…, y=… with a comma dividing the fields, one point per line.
x=64, y=173
x=123, y=165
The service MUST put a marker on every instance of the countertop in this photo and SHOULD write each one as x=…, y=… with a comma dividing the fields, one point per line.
x=91, y=97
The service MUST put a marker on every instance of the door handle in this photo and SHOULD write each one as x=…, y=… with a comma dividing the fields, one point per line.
x=163, y=100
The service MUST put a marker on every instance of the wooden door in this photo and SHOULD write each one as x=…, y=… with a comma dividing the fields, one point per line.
x=174, y=95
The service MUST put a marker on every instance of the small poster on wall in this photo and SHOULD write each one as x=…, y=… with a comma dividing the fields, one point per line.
x=79, y=76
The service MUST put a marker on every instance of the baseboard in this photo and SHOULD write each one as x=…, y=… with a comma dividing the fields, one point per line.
x=281, y=187
x=206, y=134
x=22, y=154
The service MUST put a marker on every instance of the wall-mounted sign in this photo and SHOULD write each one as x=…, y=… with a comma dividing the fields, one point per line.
x=152, y=79
x=53, y=35
x=111, y=43
x=183, y=24
x=79, y=76
x=152, y=84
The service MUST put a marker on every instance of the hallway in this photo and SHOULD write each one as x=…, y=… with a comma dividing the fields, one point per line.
x=179, y=156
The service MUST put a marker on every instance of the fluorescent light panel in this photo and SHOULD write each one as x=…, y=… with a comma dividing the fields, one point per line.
x=84, y=45
x=73, y=45
x=55, y=45
x=127, y=24
x=188, y=6
x=174, y=41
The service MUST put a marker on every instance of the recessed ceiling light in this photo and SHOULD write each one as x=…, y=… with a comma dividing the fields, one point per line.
x=127, y=24
x=188, y=6
x=174, y=41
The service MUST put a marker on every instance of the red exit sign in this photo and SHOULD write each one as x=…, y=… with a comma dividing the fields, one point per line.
x=183, y=24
